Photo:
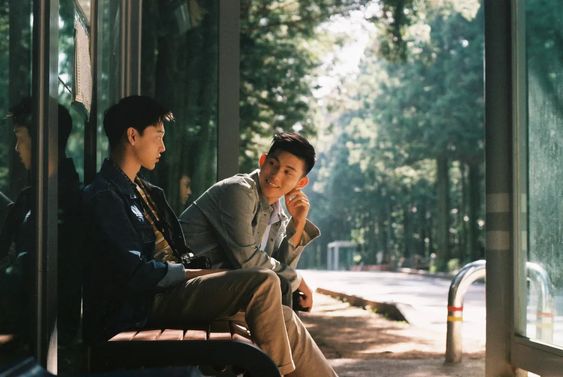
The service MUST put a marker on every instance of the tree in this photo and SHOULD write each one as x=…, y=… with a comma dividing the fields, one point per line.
x=401, y=114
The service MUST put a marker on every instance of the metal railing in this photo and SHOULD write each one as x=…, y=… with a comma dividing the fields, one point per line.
x=469, y=273
x=474, y=271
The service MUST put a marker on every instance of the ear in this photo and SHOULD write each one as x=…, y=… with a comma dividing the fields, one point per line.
x=262, y=159
x=302, y=182
x=131, y=134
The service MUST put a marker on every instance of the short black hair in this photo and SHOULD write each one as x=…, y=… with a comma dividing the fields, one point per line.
x=135, y=111
x=21, y=117
x=295, y=144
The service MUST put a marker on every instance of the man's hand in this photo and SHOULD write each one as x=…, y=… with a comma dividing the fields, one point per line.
x=306, y=299
x=298, y=206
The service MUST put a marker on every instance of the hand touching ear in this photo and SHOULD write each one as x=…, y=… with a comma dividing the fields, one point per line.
x=298, y=206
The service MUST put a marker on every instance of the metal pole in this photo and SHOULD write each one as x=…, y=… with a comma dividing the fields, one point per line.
x=477, y=270
x=460, y=283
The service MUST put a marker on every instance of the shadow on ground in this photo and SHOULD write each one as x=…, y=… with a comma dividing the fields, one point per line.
x=361, y=343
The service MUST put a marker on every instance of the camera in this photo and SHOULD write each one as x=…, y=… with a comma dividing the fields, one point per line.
x=191, y=260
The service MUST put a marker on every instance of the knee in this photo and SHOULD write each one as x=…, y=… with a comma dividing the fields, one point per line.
x=269, y=277
x=267, y=282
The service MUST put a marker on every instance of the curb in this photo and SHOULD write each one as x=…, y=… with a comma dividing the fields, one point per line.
x=386, y=309
x=413, y=271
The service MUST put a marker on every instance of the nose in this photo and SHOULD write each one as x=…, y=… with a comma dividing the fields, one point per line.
x=162, y=147
x=274, y=175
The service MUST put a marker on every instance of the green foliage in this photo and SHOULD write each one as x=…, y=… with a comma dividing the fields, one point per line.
x=276, y=64
x=376, y=180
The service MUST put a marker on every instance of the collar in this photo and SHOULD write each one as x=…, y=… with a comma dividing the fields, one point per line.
x=255, y=175
x=117, y=177
x=276, y=209
x=277, y=212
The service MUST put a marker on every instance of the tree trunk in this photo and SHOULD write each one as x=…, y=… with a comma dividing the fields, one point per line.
x=474, y=178
x=442, y=212
x=464, y=247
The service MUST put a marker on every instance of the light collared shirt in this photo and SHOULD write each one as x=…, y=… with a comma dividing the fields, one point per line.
x=274, y=218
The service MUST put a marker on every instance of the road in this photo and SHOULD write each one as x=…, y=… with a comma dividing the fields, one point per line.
x=421, y=299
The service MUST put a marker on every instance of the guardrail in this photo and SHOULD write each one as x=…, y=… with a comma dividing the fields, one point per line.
x=474, y=271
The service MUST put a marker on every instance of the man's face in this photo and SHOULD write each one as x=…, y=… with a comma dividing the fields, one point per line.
x=280, y=173
x=185, y=189
x=149, y=145
x=23, y=145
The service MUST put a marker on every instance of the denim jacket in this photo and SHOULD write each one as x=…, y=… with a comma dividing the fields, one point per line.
x=122, y=275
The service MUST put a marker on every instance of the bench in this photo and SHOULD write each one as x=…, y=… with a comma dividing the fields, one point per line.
x=222, y=348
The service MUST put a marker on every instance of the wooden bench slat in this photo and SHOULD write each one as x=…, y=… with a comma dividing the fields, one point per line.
x=147, y=335
x=171, y=334
x=195, y=335
x=123, y=336
x=203, y=345
x=220, y=336
x=6, y=338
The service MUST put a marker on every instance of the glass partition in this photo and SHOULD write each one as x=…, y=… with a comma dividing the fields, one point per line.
x=17, y=230
x=544, y=243
x=179, y=68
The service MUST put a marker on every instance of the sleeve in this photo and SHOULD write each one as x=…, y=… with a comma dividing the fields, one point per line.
x=290, y=254
x=231, y=211
x=175, y=274
x=118, y=246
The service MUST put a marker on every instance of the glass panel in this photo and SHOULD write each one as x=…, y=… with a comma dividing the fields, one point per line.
x=544, y=46
x=72, y=116
x=108, y=68
x=179, y=69
x=17, y=234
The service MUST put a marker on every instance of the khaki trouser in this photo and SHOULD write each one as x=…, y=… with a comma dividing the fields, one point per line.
x=275, y=328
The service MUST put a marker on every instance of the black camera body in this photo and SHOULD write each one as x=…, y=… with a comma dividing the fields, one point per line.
x=190, y=260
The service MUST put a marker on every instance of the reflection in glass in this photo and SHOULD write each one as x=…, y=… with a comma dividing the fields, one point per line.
x=545, y=169
x=70, y=174
x=179, y=68
x=16, y=229
x=108, y=68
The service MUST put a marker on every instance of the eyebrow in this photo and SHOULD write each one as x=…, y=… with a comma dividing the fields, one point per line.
x=286, y=166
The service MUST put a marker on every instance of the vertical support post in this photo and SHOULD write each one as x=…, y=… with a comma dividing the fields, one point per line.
x=336, y=256
x=228, y=133
x=44, y=208
x=90, y=132
x=131, y=20
x=499, y=187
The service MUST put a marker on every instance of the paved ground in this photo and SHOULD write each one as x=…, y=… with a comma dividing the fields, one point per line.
x=360, y=343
